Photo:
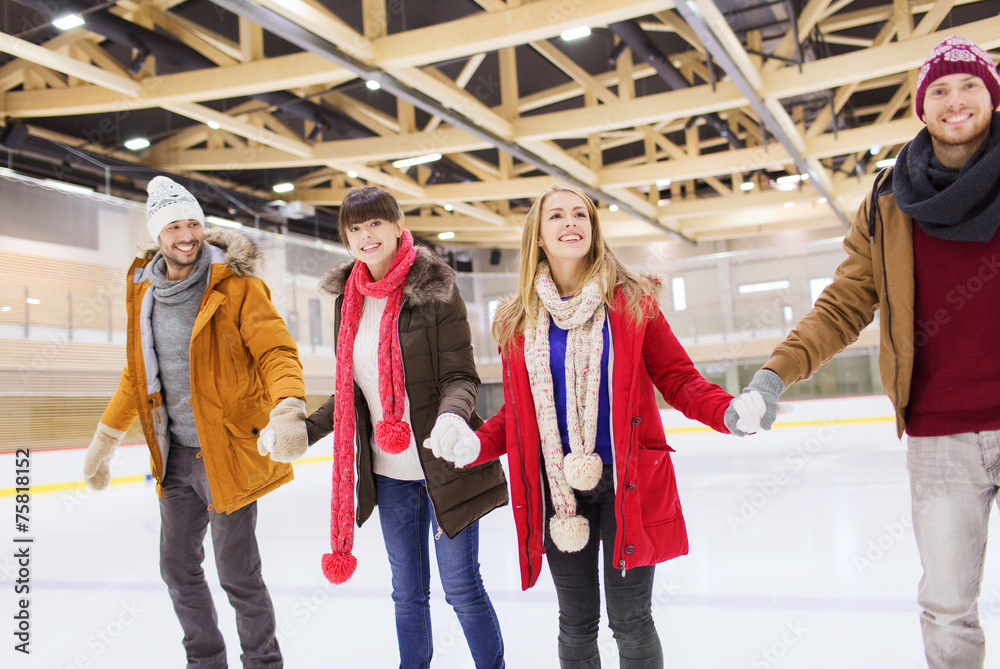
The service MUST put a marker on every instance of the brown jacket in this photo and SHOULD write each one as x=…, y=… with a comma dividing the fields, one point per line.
x=441, y=377
x=877, y=274
x=243, y=361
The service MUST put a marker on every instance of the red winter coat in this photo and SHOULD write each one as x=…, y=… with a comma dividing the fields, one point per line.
x=648, y=511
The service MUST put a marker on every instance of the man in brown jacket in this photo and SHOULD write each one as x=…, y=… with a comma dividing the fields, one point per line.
x=922, y=250
x=210, y=363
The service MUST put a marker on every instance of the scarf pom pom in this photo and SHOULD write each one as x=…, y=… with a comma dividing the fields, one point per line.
x=338, y=567
x=570, y=533
x=583, y=472
x=392, y=436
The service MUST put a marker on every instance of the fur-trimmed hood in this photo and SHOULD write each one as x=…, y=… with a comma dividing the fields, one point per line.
x=429, y=280
x=241, y=253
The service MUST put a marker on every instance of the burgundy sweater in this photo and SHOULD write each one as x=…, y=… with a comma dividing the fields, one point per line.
x=956, y=366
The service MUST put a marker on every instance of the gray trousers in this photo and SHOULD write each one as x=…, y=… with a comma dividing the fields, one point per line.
x=954, y=481
x=185, y=517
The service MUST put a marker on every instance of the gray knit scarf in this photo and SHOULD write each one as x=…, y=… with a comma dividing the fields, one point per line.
x=175, y=292
x=958, y=205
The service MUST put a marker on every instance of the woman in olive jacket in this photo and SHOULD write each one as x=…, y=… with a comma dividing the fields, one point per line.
x=406, y=374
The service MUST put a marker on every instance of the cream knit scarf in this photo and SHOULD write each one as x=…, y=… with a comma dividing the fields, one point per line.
x=583, y=317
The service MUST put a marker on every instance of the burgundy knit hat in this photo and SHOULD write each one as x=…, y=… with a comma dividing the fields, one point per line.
x=957, y=55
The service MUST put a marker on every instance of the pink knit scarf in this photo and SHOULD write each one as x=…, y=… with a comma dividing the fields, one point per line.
x=392, y=434
x=583, y=317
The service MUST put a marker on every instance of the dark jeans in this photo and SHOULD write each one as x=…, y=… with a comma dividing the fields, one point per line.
x=184, y=519
x=405, y=515
x=578, y=588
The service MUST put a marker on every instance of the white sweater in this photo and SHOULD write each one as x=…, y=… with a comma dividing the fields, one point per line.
x=403, y=466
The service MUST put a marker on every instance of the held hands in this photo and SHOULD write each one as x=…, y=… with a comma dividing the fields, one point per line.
x=453, y=440
x=96, y=470
x=285, y=436
x=757, y=406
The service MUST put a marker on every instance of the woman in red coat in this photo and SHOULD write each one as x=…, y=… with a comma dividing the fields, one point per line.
x=584, y=345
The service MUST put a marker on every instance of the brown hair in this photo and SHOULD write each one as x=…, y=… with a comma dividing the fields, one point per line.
x=521, y=309
x=365, y=204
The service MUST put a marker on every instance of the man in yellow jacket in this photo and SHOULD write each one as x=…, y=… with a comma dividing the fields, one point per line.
x=923, y=250
x=210, y=365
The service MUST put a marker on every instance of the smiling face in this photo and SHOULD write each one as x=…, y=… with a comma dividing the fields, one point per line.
x=181, y=243
x=958, y=111
x=565, y=229
x=374, y=242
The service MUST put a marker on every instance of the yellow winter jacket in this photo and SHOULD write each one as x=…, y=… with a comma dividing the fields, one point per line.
x=243, y=362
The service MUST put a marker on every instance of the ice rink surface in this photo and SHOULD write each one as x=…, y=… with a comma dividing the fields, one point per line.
x=802, y=556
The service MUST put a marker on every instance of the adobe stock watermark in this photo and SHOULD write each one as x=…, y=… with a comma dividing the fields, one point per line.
x=772, y=655
x=106, y=636
x=766, y=490
x=880, y=546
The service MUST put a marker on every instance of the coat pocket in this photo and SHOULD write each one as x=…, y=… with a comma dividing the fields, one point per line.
x=659, y=502
x=250, y=469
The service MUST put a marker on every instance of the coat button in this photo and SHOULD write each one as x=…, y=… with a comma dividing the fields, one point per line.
x=630, y=486
x=255, y=430
x=636, y=420
x=629, y=549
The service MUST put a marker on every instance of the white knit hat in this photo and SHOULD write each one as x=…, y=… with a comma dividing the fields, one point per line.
x=169, y=202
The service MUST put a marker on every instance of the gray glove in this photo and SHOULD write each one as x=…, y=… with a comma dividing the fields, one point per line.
x=769, y=385
x=285, y=436
x=96, y=471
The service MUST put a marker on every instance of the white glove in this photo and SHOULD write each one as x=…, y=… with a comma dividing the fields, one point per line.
x=453, y=440
x=745, y=412
x=285, y=438
x=96, y=471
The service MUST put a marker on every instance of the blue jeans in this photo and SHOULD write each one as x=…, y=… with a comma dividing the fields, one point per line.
x=404, y=511
x=953, y=483
x=628, y=597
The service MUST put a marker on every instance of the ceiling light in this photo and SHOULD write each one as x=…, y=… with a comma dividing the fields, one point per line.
x=822, y=200
x=373, y=85
x=663, y=202
x=792, y=179
x=418, y=160
x=137, y=144
x=874, y=150
x=32, y=300
x=612, y=207
x=663, y=183
x=68, y=22
x=888, y=162
x=213, y=125
x=448, y=207
x=352, y=174
x=283, y=187
x=446, y=235
x=789, y=205
x=576, y=33
x=746, y=186
x=224, y=222
x=785, y=186
x=5, y=308
x=68, y=188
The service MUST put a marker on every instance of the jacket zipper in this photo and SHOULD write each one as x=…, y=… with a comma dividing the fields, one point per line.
x=888, y=313
x=430, y=499
x=524, y=479
x=628, y=458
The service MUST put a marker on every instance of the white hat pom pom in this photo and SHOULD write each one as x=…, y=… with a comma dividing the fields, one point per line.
x=157, y=183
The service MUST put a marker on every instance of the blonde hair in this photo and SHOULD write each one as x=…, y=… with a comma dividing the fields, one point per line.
x=520, y=310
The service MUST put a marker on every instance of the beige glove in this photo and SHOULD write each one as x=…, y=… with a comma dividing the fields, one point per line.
x=285, y=436
x=96, y=472
x=453, y=440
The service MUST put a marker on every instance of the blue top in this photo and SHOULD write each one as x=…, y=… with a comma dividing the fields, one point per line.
x=557, y=363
